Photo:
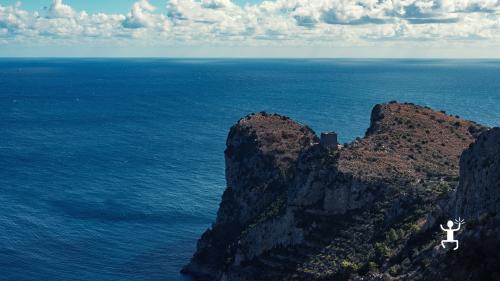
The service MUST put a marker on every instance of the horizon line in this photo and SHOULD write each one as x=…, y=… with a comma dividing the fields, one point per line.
x=251, y=58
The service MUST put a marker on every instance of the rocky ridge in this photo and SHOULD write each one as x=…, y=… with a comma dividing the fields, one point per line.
x=294, y=210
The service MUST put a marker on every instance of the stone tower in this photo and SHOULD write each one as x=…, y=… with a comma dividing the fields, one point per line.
x=329, y=140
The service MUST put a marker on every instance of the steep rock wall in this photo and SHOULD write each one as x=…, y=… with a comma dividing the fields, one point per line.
x=260, y=155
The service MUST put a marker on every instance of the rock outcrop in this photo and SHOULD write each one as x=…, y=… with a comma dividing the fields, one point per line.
x=478, y=193
x=260, y=155
x=477, y=200
x=295, y=210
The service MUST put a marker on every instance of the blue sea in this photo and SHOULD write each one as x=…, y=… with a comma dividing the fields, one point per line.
x=110, y=169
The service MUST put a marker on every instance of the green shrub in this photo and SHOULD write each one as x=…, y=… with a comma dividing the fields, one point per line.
x=395, y=269
x=372, y=267
x=382, y=251
x=444, y=187
x=349, y=266
x=392, y=236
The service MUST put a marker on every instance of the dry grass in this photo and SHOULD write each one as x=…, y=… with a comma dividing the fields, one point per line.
x=408, y=141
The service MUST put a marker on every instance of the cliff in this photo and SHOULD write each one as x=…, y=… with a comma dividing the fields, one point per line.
x=477, y=200
x=295, y=210
x=260, y=156
x=478, y=192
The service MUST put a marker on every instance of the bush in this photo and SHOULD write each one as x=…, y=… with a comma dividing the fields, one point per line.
x=372, y=267
x=382, y=251
x=395, y=269
x=349, y=266
x=414, y=228
x=400, y=233
x=392, y=236
x=443, y=187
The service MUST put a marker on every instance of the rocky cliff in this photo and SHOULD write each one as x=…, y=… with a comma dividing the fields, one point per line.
x=478, y=193
x=477, y=200
x=260, y=156
x=295, y=210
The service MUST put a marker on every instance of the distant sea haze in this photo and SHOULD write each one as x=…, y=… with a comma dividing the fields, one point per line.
x=112, y=169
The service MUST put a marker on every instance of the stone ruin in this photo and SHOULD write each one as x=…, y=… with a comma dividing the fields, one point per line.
x=329, y=140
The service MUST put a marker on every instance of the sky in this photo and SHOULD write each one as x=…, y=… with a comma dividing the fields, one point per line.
x=251, y=28
x=96, y=6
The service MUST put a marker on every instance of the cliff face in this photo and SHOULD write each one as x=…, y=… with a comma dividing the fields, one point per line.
x=477, y=200
x=478, y=193
x=261, y=151
x=294, y=210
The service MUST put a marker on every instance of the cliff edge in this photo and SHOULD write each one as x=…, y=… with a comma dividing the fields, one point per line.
x=370, y=210
x=261, y=151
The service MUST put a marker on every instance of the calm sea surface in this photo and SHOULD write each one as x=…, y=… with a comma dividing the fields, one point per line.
x=111, y=169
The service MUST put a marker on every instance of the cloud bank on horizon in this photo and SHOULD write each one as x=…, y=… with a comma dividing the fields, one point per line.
x=336, y=23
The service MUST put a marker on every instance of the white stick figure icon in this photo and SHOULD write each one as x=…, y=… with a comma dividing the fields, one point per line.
x=450, y=232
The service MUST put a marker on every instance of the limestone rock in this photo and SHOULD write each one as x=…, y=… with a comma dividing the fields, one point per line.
x=479, y=190
x=260, y=155
x=296, y=210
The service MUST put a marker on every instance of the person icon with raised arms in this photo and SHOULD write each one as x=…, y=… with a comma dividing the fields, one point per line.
x=450, y=232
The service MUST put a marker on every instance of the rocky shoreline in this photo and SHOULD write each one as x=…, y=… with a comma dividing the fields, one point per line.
x=297, y=209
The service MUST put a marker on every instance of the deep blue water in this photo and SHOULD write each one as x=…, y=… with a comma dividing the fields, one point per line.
x=111, y=169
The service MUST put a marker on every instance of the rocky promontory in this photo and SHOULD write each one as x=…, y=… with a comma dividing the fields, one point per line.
x=297, y=209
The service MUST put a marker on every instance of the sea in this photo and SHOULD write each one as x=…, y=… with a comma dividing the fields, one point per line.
x=111, y=169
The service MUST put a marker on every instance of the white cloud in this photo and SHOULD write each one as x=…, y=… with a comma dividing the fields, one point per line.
x=13, y=20
x=295, y=22
x=142, y=16
x=59, y=10
x=216, y=4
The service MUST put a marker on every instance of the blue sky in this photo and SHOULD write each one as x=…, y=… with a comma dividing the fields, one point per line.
x=251, y=28
x=93, y=6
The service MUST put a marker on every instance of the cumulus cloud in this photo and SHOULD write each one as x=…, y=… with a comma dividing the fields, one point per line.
x=60, y=10
x=142, y=16
x=216, y=4
x=347, y=22
x=13, y=20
